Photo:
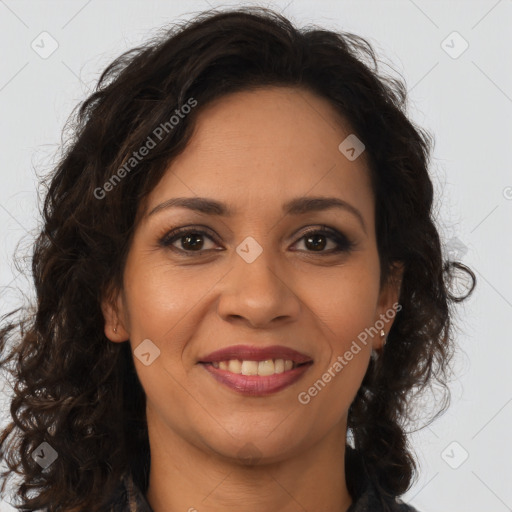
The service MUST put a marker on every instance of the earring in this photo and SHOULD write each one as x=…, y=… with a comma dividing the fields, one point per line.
x=374, y=354
x=115, y=330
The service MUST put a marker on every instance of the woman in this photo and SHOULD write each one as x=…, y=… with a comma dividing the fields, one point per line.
x=240, y=283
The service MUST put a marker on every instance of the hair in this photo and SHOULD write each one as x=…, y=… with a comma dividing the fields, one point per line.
x=78, y=391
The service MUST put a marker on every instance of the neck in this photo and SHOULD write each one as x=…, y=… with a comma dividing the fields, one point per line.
x=186, y=478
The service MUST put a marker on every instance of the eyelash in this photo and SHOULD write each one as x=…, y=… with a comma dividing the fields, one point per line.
x=343, y=244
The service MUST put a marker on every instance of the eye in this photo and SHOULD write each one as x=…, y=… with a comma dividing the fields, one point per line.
x=189, y=240
x=316, y=240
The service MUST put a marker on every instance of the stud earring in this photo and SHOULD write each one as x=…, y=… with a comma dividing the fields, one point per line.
x=374, y=354
x=115, y=330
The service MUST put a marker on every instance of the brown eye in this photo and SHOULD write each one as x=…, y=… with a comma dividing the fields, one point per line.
x=317, y=240
x=190, y=240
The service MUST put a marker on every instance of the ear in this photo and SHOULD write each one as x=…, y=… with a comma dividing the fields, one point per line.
x=388, y=305
x=113, y=309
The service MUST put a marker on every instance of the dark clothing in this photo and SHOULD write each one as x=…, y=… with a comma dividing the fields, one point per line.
x=129, y=498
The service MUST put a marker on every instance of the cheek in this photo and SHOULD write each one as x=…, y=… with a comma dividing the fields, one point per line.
x=345, y=302
x=165, y=305
x=330, y=392
x=157, y=296
x=343, y=314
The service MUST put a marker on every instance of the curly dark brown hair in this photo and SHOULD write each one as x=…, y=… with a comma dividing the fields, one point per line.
x=78, y=391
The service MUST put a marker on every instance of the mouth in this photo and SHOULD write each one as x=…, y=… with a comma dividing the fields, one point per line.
x=260, y=368
x=253, y=360
x=256, y=371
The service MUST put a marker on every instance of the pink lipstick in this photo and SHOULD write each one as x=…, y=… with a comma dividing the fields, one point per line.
x=256, y=371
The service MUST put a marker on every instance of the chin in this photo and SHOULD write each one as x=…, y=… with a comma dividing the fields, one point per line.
x=254, y=449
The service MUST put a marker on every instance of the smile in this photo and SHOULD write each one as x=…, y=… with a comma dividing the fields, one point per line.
x=257, y=378
x=261, y=368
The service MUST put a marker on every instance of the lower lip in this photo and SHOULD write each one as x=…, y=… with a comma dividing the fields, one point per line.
x=255, y=385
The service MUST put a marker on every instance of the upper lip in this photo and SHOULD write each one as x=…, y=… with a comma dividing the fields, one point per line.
x=252, y=353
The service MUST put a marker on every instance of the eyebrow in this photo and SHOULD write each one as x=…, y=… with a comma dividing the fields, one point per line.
x=297, y=206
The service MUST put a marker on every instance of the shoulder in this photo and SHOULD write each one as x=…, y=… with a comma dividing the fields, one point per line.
x=365, y=494
x=128, y=497
x=404, y=507
x=371, y=501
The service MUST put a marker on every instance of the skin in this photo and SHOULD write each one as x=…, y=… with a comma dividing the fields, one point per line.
x=253, y=151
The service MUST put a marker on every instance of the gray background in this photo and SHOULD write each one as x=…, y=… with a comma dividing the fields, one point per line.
x=465, y=99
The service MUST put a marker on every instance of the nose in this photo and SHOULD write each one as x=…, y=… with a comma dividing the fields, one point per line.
x=259, y=293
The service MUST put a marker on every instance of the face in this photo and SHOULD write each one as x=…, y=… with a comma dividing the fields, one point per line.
x=260, y=276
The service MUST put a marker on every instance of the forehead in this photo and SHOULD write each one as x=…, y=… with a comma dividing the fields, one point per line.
x=264, y=146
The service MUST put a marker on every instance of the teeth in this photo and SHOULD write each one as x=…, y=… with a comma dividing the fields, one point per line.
x=249, y=368
x=261, y=368
x=266, y=367
x=279, y=365
x=234, y=366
